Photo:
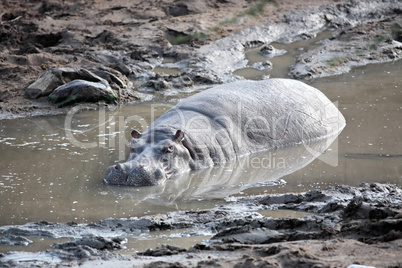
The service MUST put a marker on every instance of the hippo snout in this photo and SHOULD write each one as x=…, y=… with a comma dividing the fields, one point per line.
x=132, y=174
x=144, y=176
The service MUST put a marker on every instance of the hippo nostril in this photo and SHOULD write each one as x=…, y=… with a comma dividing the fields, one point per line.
x=140, y=167
x=116, y=167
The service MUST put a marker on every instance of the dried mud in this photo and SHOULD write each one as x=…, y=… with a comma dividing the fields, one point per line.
x=203, y=40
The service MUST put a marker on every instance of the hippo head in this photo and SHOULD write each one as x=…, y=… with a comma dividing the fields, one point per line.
x=155, y=156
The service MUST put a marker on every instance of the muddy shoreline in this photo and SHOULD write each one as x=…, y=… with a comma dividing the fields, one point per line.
x=346, y=226
x=204, y=43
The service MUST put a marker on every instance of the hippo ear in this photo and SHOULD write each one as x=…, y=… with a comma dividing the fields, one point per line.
x=179, y=136
x=135, y=134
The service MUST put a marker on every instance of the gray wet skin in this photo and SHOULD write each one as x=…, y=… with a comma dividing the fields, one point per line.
x=226, y=122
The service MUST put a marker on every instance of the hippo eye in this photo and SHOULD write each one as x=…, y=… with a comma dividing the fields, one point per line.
x=169, y=149
x=132, y=150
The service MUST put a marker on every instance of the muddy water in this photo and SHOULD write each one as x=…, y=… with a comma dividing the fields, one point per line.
x=52, y=168
x=370, y=147
x=280, y=63
x=370, y=98
x=166, y=70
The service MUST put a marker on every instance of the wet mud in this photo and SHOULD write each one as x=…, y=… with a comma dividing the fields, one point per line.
x=343, y=220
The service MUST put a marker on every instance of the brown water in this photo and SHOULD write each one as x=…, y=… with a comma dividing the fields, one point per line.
x=162, y=69
x=370, y=146
x=46, y=175
x=166, y=70
x=52, y=168
x=280, y=63
x=370, y=98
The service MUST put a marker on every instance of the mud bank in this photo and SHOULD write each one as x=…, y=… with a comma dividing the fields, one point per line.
x=203, y=41
x=347, y=225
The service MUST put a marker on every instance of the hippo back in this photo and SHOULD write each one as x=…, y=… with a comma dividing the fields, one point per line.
x=243, y=117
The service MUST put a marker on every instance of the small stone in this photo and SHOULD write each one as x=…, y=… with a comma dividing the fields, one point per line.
x=82, y=91
x=269, y=51
x=52, y=79
x=267, y=65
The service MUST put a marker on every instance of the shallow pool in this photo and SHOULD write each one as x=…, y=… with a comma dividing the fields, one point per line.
x=52, y=168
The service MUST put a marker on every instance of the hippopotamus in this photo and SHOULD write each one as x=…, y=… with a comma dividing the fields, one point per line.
x=223, y=123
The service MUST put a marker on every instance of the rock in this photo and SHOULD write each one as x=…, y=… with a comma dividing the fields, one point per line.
x=75, y=253
x=396, y=30
x=270, y=52
x=178, y=37
x=182, y=81
x=122, y=68
x=119, y=83
x=143, y=54
x=159, y=84
x=281, y=199
x=178, y=10
x=128, y=95
x=95, y=242
x=208, y=78
x=111, y=78
x=87, y=247
x=45, y=85
x=162, y=82
x=54, y=78
x=12, y=240
x=82, y=91
x=71, y=39
x=15, y=231
x=183, y=8
x=164, y=250
x=266, y=65
x=252, y=44
x=250, y=235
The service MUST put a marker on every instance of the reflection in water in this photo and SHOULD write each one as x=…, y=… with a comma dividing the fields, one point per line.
x=260, y=169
